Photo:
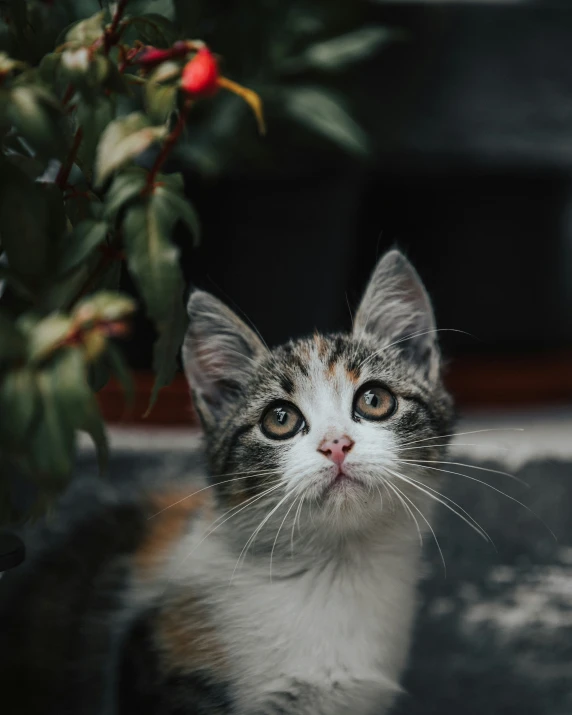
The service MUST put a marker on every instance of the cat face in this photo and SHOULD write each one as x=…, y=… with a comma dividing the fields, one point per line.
x=321, y=424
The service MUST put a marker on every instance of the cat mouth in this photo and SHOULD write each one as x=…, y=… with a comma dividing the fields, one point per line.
x=341, y=476
x=342, y=480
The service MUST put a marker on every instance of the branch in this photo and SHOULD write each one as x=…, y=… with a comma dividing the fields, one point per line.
x=167, y=147
x=66, y=167
x=111, y=37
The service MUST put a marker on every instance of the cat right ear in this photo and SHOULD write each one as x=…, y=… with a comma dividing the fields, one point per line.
x=396, y=310
x=220, y=353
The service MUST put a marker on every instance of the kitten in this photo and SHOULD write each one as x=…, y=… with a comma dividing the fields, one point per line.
x=289, y=586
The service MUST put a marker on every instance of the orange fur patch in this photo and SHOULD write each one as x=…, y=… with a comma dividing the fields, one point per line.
x=187, y=638
x=353, y=375
x=331, y=370
x=171, y=513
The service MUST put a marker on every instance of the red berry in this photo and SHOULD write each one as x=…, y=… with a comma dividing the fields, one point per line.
x=200, y=74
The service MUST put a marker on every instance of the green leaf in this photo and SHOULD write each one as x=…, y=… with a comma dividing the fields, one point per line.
x=161, y=91
x=98, y=375
x=123, y=140
x=52, y=442
x=87, y=31
x=121, y=370
x=47, y=336
x=153, y=29
x=324, y=113
x=63, y=291
x=68, y=405
x=111, y=279
x=174, y=182
x=154, y=263
x=116, y=82
x=9, y=64
x=23, y=221
x=152, y=259
x=93, y=117
x=16, y=283
x=57, y=223
x=182, y=209
x=125, y=187
x=81, y=243
x=168, y=344
x=38, y=117
x=161, y=7
x=339, y=52
x=91, y=74
x=49, y=66
x=31, y=166
x=20, y=399
x=104, y=305
x=75, y=63
x=12, y=342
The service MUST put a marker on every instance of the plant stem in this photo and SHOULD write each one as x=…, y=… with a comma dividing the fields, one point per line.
x=68, y=94
x=111, y=34
x=65, y=169
x=167, y=147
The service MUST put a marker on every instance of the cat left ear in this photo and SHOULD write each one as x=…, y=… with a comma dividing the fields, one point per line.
x=396, y=309
x=220, y=353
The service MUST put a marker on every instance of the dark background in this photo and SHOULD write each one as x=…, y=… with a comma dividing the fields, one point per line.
x=469, y=173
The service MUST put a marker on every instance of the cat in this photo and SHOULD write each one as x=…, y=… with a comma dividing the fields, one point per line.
x=287, y=584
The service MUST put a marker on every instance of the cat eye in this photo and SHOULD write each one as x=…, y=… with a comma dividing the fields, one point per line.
x=281, y=421
x=374, y=402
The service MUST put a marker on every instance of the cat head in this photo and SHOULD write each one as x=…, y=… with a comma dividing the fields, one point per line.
x=321, y=423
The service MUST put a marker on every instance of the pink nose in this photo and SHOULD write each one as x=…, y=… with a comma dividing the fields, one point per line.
x=336, y=449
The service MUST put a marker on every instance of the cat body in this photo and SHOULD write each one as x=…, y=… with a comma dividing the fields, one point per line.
x=328, y=634
x=286, y=583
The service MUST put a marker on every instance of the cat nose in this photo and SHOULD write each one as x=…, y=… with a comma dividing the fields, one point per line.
x=336, y=449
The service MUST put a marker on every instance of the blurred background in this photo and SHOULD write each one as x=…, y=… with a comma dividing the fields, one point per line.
x=442, y=127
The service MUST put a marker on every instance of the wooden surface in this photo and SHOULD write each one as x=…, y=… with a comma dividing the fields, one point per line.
x=475, y=382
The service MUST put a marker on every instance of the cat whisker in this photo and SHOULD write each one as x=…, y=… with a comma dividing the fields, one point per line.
x=456, y=444
x=410, y=337
x=297, y=518
x=490, y=486
x=254, y=535
x=380, y=497
x=389, y=494
x=349, y=310
x=430, y=492
x=461, y=434
x=248, y=472
x=412, y=503
x=296, y=513
x=470, y=466
x=278, y=534
x=407, y=508
x=210, y=486
x=237, y=510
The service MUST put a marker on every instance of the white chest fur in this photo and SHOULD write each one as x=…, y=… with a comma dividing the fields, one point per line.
x=343, y=624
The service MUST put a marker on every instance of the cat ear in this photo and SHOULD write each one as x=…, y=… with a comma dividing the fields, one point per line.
x=396, y=307
x=219, y=354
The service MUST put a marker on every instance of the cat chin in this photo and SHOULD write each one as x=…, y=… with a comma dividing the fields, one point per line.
x=349, y=506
